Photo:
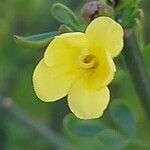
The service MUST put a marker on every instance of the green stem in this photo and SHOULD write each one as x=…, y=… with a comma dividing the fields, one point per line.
x=7, y=107
x=137, y=70
x=3, y=137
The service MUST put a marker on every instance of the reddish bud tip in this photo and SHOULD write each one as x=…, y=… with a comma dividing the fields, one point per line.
x=91, y=9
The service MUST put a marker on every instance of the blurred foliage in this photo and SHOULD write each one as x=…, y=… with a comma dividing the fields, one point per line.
x=124, y=120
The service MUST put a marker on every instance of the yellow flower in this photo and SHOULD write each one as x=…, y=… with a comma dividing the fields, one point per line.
x=80, y=65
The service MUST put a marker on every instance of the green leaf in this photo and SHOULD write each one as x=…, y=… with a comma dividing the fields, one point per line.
x=130, y=17
x=82, y=128
x=125, y=3
x=111, y=139
x=64, y=29
x=128, y=12
x=123, y=118
x=35, y=41
x=64, y=15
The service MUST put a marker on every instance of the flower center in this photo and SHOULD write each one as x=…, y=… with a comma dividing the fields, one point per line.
x=88, y=61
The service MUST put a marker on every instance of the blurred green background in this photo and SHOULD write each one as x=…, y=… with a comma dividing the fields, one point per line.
x=27, y=17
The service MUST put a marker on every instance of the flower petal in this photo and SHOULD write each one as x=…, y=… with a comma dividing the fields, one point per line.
x=65, y=49
x=103, y=74
x=86, y=102
x=51, y=83
x=106, y=34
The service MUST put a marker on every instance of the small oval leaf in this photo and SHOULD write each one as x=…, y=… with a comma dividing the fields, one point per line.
x=82, y=128
x=64, y=15
x=111, y=139
x=123, y=118
x=35, y=41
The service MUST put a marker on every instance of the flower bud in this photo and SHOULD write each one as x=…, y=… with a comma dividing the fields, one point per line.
x=93, y=9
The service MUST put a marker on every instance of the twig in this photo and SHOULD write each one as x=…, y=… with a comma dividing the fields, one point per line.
x=2, y=132
x=137, y=70
x=49, y=135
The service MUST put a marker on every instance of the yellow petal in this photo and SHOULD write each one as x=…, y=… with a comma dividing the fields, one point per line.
x=102, y=74
x=51, y=83
x=65, y=49
x=106, y=34
x=86, y=102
